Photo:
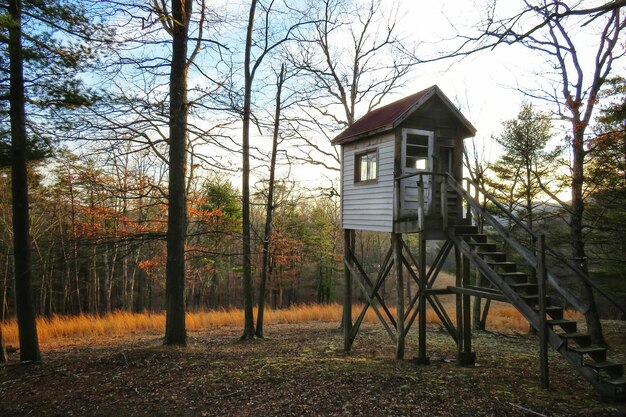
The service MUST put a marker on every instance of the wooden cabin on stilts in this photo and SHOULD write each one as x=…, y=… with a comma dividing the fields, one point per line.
x=402, y=173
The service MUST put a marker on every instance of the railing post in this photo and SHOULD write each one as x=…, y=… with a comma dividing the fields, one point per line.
x=444, y=202
x=479, y=220
x=420, y=201
x=543, y=326
x=468, y=209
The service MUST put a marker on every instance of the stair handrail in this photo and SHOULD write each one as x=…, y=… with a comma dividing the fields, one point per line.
x=530, y=257
x=519, y=248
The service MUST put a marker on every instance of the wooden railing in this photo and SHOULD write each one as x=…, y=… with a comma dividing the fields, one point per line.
x=422, y=210
x=529, y=256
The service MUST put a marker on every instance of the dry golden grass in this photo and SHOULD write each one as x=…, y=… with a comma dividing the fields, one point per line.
x=62, y=329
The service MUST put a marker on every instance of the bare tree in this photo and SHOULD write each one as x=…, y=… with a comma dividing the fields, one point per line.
x=549, y=28
x=265, y=272
x=248, y=327
x=350, y=61
x=268, y=41
x=178, y=27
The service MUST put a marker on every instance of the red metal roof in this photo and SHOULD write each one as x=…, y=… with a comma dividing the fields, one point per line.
x=387, y=117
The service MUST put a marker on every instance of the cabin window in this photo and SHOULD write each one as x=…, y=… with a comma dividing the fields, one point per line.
x=366, y=167
x=417, y=152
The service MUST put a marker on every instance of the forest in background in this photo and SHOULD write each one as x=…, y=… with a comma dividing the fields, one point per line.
x=98, y=240
x=101, y=124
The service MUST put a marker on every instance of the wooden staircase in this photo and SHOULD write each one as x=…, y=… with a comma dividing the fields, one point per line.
x=509, y=283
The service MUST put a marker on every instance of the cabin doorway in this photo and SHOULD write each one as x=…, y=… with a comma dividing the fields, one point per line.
x=445, y=166
x=417, y=156
x=446, y=160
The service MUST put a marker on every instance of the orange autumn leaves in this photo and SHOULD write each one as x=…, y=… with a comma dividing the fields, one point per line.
x=100, y=223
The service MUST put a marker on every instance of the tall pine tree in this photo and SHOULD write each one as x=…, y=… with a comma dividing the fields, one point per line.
x=43, y=55
x=526, y=168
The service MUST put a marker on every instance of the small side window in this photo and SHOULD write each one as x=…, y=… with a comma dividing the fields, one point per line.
x=366, y=167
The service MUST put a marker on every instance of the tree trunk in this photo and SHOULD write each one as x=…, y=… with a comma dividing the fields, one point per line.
x=149, y=294
x=5, y=304
x=74, y=243
x=248, y=327
x=594, y=327
x=96, y=283
x=175, y=332
x=3, y=352
x=270, y=208
x=27, y=325
x=107, y=281
x=111, y=280
x=320, y=283
x=125, y=282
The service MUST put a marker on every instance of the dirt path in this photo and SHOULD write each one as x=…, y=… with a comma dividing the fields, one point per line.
x=298, y=371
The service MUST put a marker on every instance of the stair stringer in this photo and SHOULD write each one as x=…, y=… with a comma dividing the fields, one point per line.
x=603, y=389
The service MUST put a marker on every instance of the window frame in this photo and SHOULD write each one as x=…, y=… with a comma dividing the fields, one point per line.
x=429, y=149
x=357, y=167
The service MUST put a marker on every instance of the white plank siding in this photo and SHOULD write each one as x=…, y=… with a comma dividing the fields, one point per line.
x=409, y=204
x=368, y=206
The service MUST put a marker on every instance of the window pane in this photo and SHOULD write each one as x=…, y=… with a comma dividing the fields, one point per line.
x=363, y=168
x=416, y=151
x=420, y=163
x=366, y=164
x=372, y=165
x=420, y=140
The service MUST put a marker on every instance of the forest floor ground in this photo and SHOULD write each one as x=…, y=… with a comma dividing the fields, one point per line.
x=298, y=370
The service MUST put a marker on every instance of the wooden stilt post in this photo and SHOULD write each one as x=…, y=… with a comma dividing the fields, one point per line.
x=422, y=359
x=543, y=326
x=459, y=303
x=468, y=356
x=348, y=243
x=397, y=263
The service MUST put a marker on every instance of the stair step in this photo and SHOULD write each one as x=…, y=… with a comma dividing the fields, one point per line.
x=555, y=312
x=496, y=256
x=612, y=369
x=504, y=265
x=483, y=246
x=475, y=237
x=596, y=353
x=525, y=287
x=605, y=366
x=619, y=381
x=589, y=350
x=619, y=388
x=514, y=277
x=460, y=226
x=569, y=326
x=581, y=339
x=533, y=299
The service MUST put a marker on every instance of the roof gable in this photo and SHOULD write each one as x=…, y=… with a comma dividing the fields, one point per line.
x=391, y=115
